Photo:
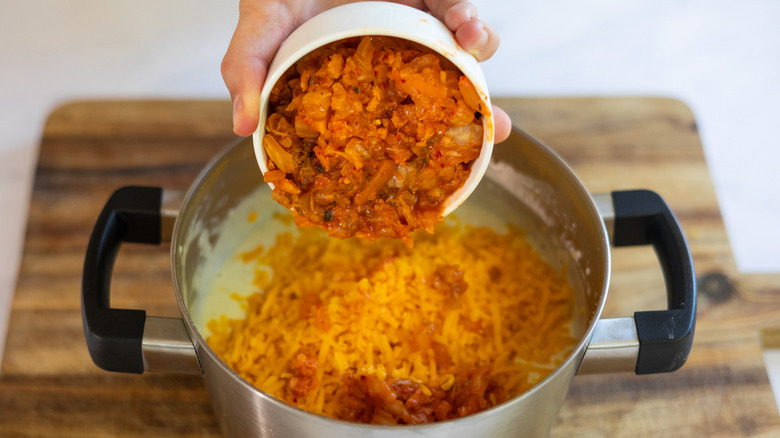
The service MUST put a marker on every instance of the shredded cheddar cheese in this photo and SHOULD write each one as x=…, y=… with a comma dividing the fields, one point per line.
x=388, y=334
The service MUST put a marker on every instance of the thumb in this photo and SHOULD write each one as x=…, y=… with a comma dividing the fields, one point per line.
x=261, y=28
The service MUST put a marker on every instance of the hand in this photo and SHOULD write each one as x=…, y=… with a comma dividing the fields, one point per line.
x=264, y=24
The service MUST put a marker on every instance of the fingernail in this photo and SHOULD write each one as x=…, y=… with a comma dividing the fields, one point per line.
x=469, y=10
x=238, y=108
x=480, y=45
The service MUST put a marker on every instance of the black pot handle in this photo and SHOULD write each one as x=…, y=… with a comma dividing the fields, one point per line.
x=115, y=336
x=665, y=336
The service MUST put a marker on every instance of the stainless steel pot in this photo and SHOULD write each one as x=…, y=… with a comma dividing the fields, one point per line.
x=526, y=181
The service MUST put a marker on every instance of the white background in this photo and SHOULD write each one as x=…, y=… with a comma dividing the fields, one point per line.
x=721, y=57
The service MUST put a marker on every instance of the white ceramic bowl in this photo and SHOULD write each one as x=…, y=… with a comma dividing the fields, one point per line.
x=385, y=19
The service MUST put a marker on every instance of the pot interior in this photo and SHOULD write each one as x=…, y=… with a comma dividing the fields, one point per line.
x=526, y=185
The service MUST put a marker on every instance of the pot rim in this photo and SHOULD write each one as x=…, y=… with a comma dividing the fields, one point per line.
x=575, y=355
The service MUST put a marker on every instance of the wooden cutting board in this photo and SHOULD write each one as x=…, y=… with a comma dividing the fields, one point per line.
x=50, y=387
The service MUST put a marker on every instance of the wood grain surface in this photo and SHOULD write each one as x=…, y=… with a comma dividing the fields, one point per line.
x=50, y=387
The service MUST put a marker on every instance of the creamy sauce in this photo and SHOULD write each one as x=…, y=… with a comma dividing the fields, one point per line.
x=223, y=273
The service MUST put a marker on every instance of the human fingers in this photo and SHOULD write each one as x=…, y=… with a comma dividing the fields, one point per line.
x=262, y=26
x=502, y=125
x=473, y=34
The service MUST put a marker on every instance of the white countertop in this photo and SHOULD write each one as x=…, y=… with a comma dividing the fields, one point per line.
x=720, y=57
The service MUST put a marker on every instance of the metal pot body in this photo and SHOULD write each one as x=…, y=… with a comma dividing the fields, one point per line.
x=526, y=182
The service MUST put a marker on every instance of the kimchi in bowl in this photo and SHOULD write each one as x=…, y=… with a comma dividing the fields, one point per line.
x=338, y=39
